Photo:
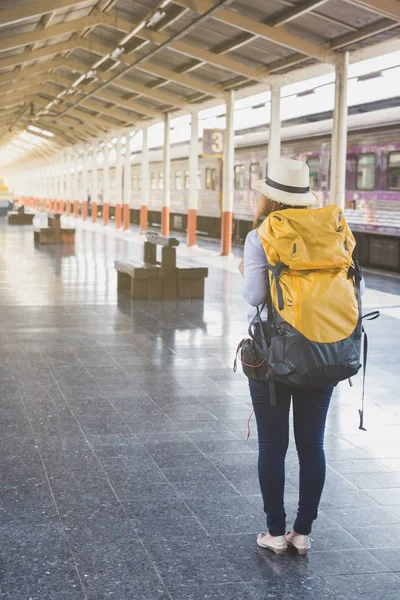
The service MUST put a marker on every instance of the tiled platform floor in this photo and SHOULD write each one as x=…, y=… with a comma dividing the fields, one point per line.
x=125, y=470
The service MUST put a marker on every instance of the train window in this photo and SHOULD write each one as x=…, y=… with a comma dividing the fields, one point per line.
x=161, y=181
x=178, y=180
x=314, y=164
x=255, y=173
x=153, y=181
x=394, y=171
x=239, y=177
x=208, y=179
x=366, y=167
x=187, y=179
x=134, y=182
x=214, y=179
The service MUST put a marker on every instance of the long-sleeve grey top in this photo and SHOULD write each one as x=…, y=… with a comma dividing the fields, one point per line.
x=255, y=281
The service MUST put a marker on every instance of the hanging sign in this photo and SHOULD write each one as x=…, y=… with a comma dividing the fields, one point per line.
x=213, y=142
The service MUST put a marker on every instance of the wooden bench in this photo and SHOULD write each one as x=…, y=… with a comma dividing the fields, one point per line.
x=160, y=280
x=54, y=233
x=20, y=218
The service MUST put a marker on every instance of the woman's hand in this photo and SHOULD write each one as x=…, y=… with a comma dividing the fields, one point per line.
x=241, y=267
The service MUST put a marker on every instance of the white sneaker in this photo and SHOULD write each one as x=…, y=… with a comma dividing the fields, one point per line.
x=300, y=542
x=277, y=544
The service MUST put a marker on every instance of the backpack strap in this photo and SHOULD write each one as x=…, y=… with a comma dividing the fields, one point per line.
x=276, y=271
x=369, y=317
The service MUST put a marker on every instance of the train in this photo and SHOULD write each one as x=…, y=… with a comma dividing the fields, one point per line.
x=372, y=181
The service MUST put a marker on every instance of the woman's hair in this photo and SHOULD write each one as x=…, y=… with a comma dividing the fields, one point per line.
x=266, y=206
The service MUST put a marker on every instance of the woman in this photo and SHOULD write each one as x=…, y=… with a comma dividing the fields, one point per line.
x=287, y=186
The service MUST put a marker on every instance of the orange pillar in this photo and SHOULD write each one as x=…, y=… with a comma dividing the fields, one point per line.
x=106, y=214
x=68, y=208
x=226, y=233
x=165, y=221
x=76, y=209
x=127, y=217
x=94, y=212
x=191, y=227
x=61, y=207
x=55, y=206
x=144, y=211
x=118, y=216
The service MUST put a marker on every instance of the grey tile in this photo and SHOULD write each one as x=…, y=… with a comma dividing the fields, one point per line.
x=188, y=561
x=369, y=586
x=233, y=514
x=333, y=539
x=376, y=536
x=255, y=564
x=392, y=463
x=395, y=510
x=206, y=591
x=347, y=499
x=352, y=517
x=385, y=497
x=344, y=562
x=163, y=520
x=365, y=465
x=390, y=556
x=378, y=481
x=292, y=588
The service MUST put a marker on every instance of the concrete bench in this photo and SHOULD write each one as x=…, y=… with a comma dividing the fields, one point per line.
x=160, y=280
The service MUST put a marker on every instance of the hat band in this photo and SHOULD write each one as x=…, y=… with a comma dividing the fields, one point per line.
x=287, y=188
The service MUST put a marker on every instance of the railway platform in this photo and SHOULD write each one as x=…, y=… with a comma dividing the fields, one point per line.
x=126, y=472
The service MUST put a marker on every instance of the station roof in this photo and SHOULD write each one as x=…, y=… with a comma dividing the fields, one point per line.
x=76, y=70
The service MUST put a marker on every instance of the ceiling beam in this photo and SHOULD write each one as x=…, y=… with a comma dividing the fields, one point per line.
x=112, y=112
x=50, y=50
x=130, y=85
x=39, y=8
x=363, y=33
x=192, y=83
x=279, y=36
x=386, y=8
x=42, y=67
x=38, y=35
x=290, y=14
x=158, y=37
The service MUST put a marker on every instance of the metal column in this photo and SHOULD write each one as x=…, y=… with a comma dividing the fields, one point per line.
x=274, y=139
x=85, y=191
x=193, y=191
x=127, y=183
x=68, y=184
x=165, y=227
x=106, y=184
x=76, y=186
x=118, y=185
x=94, y=185
x=144, y=192
x=339, y=133
x=228, y=173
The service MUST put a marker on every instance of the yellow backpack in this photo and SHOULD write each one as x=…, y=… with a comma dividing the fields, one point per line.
x=314, y=302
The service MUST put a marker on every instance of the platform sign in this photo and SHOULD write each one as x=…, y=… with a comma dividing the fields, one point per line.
x=213, y=142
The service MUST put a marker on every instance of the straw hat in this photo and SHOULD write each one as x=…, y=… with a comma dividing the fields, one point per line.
x=288, y=182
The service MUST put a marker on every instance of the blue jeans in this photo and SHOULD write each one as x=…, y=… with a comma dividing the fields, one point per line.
x=310, y=408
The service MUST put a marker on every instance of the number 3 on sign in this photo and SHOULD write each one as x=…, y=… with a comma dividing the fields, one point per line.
x=217, y=142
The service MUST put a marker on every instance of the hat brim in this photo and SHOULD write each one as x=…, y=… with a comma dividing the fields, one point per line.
x=306, y=199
